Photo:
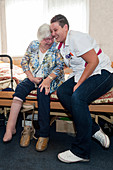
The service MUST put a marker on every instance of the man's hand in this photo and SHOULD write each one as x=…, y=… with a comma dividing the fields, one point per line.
x=75, y=87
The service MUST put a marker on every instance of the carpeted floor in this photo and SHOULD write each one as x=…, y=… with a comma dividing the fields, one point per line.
x=13, y=157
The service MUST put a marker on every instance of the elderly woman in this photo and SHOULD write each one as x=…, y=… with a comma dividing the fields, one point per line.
x=43, y=65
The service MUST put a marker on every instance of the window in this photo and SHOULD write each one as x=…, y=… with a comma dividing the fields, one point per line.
x=23, y=17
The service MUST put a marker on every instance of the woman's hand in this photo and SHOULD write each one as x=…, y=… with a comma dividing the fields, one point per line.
x=45, y=84
x=36, y=80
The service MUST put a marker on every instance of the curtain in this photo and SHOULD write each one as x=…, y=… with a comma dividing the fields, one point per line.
x=74, y=10
x=23, y=17
x=3, y=35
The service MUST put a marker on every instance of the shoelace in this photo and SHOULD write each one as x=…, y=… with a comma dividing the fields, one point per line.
x=26, y=131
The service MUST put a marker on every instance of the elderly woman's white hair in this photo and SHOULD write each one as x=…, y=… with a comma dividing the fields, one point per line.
x=43, y=32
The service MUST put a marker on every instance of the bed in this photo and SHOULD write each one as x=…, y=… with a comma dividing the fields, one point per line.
x=102, y=107
x=10, y=74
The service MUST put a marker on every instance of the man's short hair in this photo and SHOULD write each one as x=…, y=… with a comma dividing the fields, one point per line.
x=61, y=19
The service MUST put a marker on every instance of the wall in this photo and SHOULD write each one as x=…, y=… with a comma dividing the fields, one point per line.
x=101, y=24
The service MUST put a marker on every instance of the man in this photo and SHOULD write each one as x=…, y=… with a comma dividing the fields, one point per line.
x=91, y=78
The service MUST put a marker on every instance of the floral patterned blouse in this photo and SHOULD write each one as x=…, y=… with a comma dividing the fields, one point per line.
x=52, y=63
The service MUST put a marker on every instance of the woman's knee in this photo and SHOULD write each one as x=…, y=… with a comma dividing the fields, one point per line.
x=60, y=91
x=17, y=98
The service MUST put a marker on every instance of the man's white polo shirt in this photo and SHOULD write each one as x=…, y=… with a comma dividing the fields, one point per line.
x=76, y=45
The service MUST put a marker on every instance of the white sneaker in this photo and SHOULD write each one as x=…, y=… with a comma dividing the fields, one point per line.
x=102, y=138
x=69, y=157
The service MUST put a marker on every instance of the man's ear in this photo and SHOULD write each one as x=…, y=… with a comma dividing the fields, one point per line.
x=66, y=27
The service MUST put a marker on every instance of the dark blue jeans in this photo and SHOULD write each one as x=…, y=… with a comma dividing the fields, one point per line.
x=22, y=90
x=77, y=104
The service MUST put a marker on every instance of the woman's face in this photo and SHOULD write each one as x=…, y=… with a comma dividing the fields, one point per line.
x=58, y=32
x=49, y=40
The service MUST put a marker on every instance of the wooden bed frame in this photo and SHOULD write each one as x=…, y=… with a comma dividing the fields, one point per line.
x=105, y=111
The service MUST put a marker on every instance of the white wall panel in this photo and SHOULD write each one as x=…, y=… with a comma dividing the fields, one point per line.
x=101, y=24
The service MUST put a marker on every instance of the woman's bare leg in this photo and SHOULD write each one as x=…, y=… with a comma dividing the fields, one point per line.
x=10, y=128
